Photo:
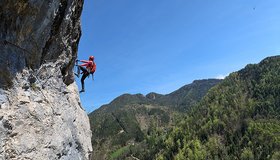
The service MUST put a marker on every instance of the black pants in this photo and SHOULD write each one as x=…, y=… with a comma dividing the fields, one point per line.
x=85, y=74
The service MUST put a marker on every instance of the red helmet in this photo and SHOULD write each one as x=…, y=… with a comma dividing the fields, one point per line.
x=91, y=58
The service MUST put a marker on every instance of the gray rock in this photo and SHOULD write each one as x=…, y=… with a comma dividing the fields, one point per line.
x=3, y=98
x=37, y=32
x=48, y=125
x=40, y=112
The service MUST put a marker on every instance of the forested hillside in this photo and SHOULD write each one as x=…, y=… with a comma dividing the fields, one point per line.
x=126, y=125
x=237, y=119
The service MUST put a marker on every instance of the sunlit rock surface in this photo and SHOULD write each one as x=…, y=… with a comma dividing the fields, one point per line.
x=41, y=116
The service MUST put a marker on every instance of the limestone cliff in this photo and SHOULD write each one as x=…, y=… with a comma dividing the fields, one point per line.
x=41, y=116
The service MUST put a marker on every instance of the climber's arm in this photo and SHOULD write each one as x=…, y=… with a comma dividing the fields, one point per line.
x=84, y=61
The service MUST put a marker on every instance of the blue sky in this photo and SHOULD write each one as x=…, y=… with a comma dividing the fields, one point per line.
x=143, y=46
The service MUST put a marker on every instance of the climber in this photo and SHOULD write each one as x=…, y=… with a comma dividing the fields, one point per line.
x=88, y=67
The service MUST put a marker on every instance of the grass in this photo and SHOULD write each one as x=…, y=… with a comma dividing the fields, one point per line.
x=34, y=87
x=119, y=152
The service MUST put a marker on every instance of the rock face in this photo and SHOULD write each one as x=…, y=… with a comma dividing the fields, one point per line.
x=36, y=32
x=40, y=111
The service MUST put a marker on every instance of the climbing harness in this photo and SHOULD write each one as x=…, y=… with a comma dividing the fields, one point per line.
x=77, y=71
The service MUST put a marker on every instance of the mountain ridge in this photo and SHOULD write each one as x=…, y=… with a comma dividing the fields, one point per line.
x=237, y=119
x=153, y=97
x=129, y=119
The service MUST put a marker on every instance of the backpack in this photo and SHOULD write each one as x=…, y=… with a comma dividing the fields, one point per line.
x=93, y=68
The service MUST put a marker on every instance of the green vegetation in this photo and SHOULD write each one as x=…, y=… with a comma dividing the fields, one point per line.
x=34, y=87
x=238, y=118
x=118, y=153
x=138, y=119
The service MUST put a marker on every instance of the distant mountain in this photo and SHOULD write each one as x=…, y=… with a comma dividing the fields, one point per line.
x=186, y=96
x=237, y=119
x=128, y=120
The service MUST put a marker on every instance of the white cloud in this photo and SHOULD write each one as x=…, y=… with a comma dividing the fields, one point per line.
x=220, y=76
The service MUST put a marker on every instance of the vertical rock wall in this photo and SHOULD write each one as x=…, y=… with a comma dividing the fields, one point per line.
x=34, y=32
x=40, y=111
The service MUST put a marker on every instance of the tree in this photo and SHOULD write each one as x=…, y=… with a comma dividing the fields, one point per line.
x=247, y=154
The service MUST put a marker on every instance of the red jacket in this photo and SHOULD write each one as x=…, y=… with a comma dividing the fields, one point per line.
x=90, y=65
